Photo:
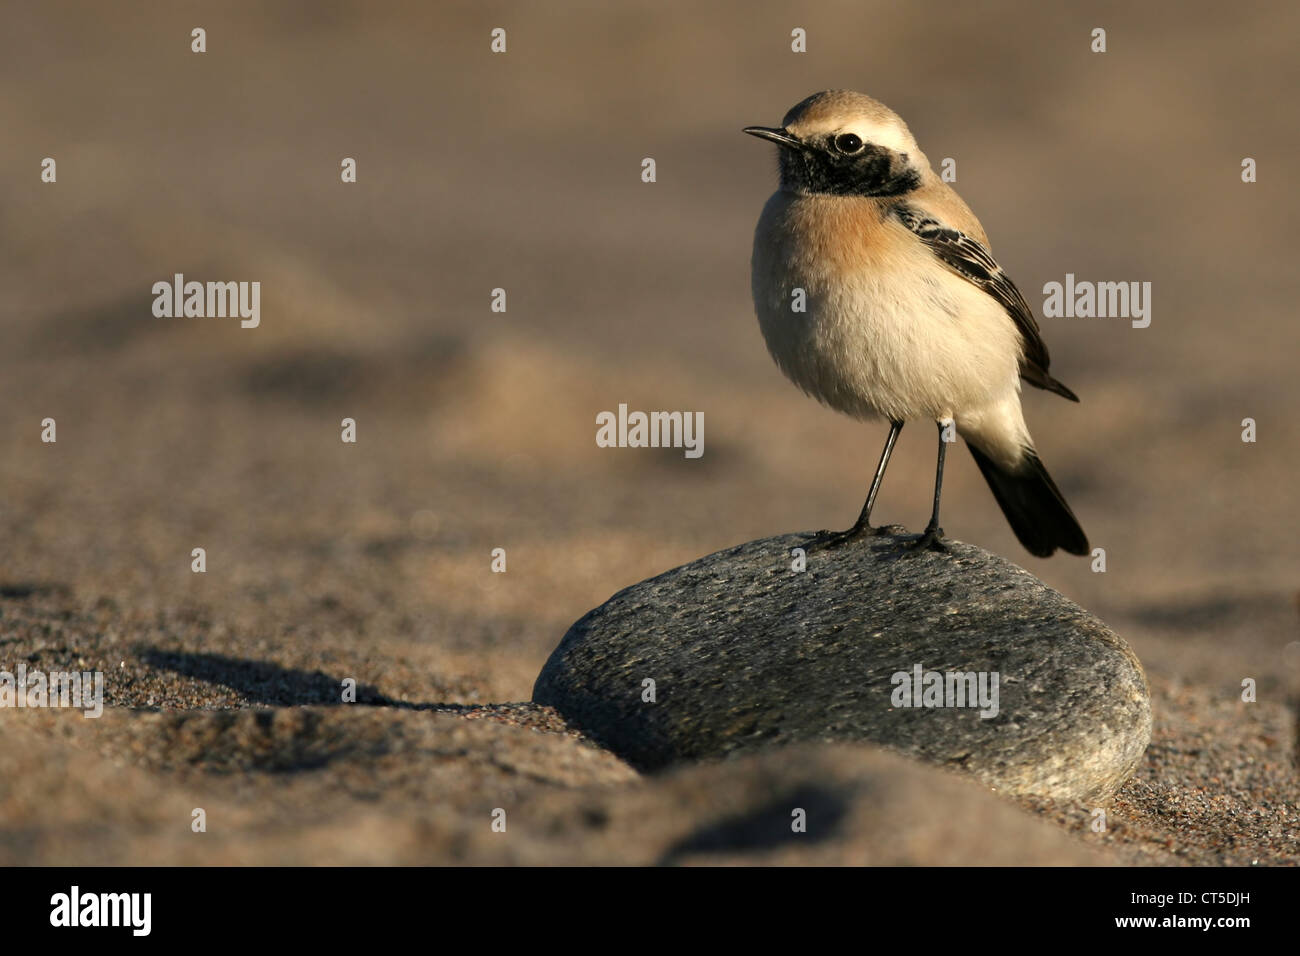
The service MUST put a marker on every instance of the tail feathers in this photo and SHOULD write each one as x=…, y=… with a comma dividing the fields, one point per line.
x=1033, y=505
x=1040, y=379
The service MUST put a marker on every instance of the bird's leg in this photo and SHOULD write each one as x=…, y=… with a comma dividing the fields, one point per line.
x=862, y=526
x=932, y=538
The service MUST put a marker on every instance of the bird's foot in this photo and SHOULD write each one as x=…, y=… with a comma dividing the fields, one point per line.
x=830, y=540
x=930, y=540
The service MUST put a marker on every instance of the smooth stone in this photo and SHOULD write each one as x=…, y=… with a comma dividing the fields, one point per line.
x=746, y=652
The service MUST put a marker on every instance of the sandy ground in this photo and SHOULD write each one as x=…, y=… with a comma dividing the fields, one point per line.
x=371, y=561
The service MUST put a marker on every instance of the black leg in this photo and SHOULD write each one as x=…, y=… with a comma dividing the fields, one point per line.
x=933, y=536
x=863, y=524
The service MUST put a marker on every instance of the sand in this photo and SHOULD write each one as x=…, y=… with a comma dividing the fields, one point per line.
x=475, y=430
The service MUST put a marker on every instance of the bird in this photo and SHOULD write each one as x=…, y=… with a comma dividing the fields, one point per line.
x=878, y=295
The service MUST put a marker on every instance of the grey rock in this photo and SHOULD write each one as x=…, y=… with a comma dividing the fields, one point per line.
x=746, y=652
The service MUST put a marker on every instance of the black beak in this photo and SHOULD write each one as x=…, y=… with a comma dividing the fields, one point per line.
x=778, y=136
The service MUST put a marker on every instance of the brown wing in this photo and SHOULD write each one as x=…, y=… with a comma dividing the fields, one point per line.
x=969, y=258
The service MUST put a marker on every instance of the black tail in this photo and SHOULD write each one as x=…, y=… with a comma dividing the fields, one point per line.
x=1033, y=505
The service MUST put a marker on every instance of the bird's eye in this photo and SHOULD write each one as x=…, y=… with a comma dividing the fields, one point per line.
x=848, y=143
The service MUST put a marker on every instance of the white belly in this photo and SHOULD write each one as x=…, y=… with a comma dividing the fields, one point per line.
x=887, y=330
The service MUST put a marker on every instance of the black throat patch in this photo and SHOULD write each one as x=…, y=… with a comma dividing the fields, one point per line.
x=873, y=171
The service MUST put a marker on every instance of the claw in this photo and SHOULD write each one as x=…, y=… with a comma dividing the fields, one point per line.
x=830, y=540
x=931, y=540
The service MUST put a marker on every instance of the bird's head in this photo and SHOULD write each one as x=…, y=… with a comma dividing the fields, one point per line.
x=845, y=144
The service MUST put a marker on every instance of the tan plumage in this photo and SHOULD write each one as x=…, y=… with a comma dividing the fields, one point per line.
x=907, y=316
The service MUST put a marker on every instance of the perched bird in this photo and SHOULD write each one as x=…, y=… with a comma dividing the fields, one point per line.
x=877, y=295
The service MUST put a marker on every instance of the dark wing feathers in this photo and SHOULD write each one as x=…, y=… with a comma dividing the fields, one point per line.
x=968, y=258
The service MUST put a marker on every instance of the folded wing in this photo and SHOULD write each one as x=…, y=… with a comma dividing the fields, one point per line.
x=969, y=258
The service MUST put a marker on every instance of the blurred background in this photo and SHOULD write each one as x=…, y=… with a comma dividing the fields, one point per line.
x=522, y=171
